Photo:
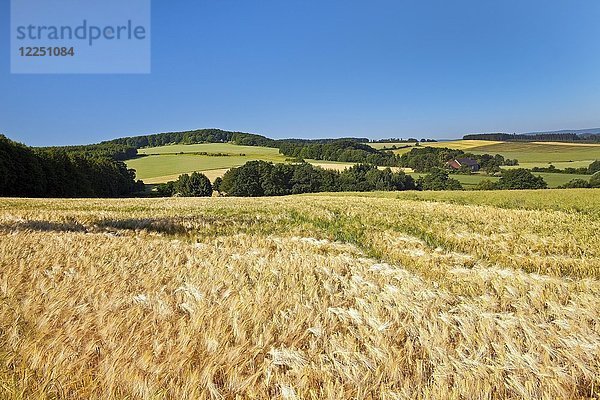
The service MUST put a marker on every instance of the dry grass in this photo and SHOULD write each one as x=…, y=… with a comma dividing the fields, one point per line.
x=298, y=297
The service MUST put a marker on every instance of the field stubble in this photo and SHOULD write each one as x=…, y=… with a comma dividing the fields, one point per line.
x=297, y=297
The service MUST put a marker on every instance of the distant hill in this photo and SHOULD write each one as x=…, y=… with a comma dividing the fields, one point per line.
x=590, y=131
x=578, y=136
x=213, y=135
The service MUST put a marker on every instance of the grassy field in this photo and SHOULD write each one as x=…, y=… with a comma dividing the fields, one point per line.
x=162, y=164
x=225, y=148
x=380, y=146
x=487, y=295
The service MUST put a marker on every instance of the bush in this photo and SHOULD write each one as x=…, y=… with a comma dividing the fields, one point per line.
x=438, y=179
x=166, y=189
x=521, y=179
x=575, y=183
x=594, y=167
x=486, y=184
x=595, y=180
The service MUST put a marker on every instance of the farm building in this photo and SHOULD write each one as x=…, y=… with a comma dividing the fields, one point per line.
x=459, y=163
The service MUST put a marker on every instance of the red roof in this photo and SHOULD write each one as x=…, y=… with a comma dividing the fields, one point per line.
x=454, y=164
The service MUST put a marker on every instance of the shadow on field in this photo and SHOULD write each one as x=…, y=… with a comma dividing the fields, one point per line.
x=159, y=225
x=166, y=226
x=43, y=226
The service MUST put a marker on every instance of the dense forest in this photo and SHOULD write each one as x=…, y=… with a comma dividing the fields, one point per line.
x=539, y=137
x=60, y=172
x=115, y=151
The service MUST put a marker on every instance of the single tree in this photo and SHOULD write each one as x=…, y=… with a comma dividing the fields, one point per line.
x=195, y=185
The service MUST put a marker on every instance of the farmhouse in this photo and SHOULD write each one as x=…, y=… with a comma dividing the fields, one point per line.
x=459, y=163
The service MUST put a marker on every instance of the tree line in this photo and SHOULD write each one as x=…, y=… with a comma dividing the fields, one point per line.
x=261, y=178
x=589, y=170
x=119, y=152
x=216, y=136
x=538, y=137
x=57, y=172
x=193, y=137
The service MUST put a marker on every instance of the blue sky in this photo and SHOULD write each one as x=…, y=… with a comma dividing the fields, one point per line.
x=321, y=68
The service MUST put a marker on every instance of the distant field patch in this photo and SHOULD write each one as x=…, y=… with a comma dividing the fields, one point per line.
x=541, y=152
x=380, y=146
x=166, y=162
x=559, y=165
x=462, y=144
x=555, y=180
x=335, y=165
x=211, y=174
x=570, y=144
x=166, y=165
x=226, y=148
x=529, y=154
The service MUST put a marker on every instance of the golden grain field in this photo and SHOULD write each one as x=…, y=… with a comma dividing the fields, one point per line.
x=300, y=297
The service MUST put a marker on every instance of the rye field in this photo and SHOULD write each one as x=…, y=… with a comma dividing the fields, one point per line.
x=411, y=295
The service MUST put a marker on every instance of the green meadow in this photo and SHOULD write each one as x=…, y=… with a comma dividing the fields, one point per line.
x=225, y=148
x=161, y=164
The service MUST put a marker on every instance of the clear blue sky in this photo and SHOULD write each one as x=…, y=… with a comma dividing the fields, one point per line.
x=321, y=68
